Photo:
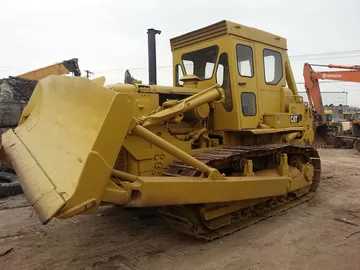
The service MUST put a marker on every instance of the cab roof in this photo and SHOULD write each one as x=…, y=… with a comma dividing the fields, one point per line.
x=228, y=28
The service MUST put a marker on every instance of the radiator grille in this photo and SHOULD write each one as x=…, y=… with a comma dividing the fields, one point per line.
x=121, y=160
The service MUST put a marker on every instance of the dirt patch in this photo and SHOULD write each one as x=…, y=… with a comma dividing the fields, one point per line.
x=305, y=237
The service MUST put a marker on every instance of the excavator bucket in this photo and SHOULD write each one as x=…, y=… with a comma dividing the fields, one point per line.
x=320, y=136
x=66, y=144
x=357, y=145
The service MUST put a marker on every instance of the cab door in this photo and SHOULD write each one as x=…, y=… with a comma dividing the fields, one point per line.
x=247, y=91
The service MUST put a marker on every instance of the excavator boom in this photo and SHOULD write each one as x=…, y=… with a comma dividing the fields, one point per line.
x=346, y=76
x=351, y=75
x=65, y=67
x=312, y=85
x=311, y=78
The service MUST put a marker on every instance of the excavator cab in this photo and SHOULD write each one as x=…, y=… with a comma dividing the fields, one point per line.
x=328, y=116
x=232, y=135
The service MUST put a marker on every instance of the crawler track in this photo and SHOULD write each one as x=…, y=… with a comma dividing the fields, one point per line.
x=191, y=219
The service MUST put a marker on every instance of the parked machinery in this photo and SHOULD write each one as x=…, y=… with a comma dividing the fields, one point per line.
x=320, y=124
x=225, y=147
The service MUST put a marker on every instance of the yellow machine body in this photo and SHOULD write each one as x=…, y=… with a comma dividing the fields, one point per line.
x=61, y=68
x=227, y=136
x=328, y=116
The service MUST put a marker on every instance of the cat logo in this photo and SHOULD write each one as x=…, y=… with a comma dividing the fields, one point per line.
x=294, y=119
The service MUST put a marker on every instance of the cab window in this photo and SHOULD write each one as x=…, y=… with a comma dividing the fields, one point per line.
x=248, y=103
x=328, y=117
x=245, y=60
x=273, y=69
x=223, y=79
x=201, y=62
x=179, y=74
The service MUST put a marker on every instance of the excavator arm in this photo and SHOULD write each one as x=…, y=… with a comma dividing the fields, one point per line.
x=312, y=85
x=351, y=74
x=311, y=78
x=65, y=67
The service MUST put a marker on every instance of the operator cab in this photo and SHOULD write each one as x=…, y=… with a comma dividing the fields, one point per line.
x=249, y=64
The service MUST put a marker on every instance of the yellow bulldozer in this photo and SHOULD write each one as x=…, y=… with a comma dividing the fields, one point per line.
x=228, y=145
x=15, y=92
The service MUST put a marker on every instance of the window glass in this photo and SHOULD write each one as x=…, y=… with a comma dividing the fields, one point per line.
x=348, y=116
x=201, y=62
x=245, y=60
x=220, y=74
x=273, y=69
x=328, y=117
x=209, y=69
x=223, y=78
x=189, y=66
x=248, y=104
x=179, y=75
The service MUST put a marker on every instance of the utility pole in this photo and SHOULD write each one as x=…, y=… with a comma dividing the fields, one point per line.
x=346, y=93
x=88, y=73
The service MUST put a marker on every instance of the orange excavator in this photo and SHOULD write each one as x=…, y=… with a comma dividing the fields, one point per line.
x=312, y=85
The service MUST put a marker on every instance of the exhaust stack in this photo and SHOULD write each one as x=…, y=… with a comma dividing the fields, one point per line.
x=152, y=54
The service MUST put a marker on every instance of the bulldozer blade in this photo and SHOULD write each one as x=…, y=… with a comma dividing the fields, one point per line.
x=99, y=80
x=66, y=144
